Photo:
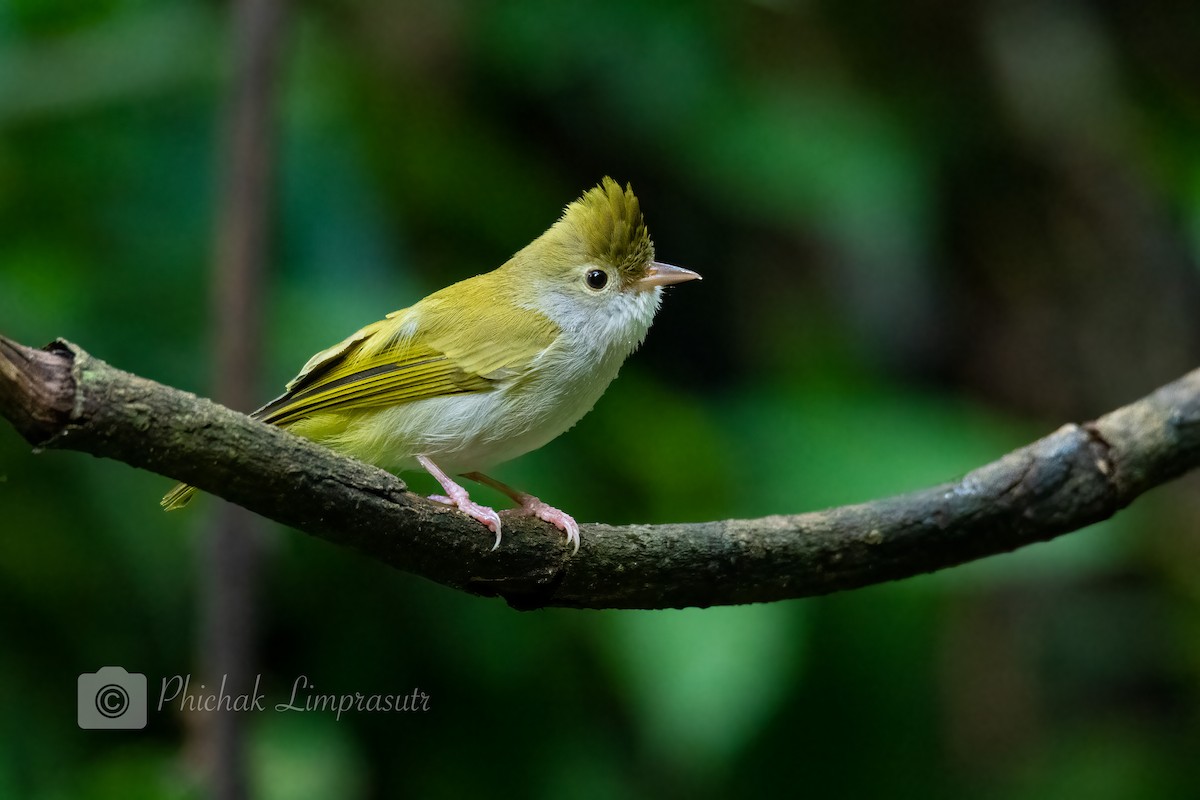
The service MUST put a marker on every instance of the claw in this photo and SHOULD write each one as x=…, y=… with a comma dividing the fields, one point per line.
x=533, y=507
x=528, y=505
x=458, y=497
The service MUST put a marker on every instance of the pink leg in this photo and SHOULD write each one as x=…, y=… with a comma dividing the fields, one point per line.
x=457, y=496
x=533, y=507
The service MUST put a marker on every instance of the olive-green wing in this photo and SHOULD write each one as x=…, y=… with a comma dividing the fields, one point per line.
x=430, y=350
x=462, y=339
x=385, y=378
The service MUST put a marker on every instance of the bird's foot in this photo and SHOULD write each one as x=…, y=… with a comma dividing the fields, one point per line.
x=480, y=513
x=528, y=505
x=532, y=507
x=473, y=510
x=457, y=496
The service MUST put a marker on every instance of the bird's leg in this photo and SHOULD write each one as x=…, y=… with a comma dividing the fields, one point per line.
x=533, y=507
x=457, y=496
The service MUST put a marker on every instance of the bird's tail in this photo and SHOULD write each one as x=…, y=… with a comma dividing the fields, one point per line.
x=178, y=497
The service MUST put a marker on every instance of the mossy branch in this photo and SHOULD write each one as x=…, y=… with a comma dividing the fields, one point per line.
x=61, y=397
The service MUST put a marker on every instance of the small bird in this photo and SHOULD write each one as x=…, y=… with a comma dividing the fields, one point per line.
x=491, y=367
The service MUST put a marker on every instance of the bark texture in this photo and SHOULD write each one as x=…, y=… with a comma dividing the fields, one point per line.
x=61, y=397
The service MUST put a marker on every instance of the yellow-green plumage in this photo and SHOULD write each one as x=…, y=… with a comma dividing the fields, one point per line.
x=490, y=367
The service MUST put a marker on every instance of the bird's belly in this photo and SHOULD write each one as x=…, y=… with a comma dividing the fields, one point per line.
x=469, y=432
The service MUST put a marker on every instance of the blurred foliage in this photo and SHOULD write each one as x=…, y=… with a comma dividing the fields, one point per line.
x=929, y=232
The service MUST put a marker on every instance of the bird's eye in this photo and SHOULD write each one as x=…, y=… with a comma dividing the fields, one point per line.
x=596, y=279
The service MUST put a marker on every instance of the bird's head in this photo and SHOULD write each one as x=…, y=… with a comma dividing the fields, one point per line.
x=599, y=259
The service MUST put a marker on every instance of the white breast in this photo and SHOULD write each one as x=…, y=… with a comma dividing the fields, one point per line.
x=473, y=432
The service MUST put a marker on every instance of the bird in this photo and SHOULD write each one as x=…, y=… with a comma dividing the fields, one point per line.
x=492, y=367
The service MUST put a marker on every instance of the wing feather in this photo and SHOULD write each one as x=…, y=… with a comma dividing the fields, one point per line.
x=417, y=353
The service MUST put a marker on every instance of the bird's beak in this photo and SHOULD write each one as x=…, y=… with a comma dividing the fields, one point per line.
x=660, y=274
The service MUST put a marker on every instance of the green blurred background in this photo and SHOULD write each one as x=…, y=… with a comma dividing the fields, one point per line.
x=929, y=233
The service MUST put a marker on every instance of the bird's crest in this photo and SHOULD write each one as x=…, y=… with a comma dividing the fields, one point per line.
x=610, y=222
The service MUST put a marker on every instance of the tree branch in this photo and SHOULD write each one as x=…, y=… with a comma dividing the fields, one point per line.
x=61, y=397
x=234, y=546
